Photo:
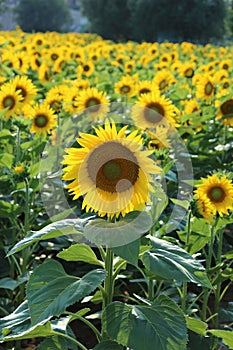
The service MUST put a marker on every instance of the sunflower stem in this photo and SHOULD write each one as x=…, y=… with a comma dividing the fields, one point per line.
x=108, y=284
x=185, y=286
x=208, y=266
x=219, y=284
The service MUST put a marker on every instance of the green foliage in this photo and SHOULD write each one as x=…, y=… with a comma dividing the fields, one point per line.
x=153, y=20
x=158, y=326
x=43, y=15
x=108, y=18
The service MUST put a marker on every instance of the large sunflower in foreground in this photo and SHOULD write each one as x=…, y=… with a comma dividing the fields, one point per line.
x=153, y=109
x=214, y=195
x=94, y=101
x=43, y=118
x=111, y=171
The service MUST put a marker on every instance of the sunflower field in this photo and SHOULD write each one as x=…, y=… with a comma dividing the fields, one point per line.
x=116, y=194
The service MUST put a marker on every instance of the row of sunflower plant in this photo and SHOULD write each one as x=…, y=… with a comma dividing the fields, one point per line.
x=116, y=193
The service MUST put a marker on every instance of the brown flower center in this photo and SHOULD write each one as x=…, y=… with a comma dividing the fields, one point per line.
x=9, y=101
x=154, y=112
x=209, y=88
x=41, y=120
x=86, y=68
x=113, y=167
x=144, y=91
x=216, y=194
x=227, y=107
x=162, y=84
x=189, y=73
x=93, y=104
x=125, y=89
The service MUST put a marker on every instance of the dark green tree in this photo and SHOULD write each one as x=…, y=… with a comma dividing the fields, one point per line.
x=109, y=18
x=43, y=15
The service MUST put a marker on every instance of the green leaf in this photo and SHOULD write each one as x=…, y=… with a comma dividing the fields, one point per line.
x=53, y=343
x=172, y=262
x=6, y=160
x=226, y=336
x=7, y=209
x=9, y=283
x=196, y=325
x=160, y=326
x=182, y=203
x=120, y=233
x=108, y=345
x=56, y=229
x=50, y=290
x=129, y=252
x=17, y=326
x=80, y=252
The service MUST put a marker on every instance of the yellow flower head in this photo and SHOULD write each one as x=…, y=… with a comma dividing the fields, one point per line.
x=111, y=171
x=214, y=195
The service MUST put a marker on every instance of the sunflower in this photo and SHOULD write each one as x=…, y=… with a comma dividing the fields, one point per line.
x=111, y=171
x=94, y=101
x=205, y=88
x=144, y=87
x=159, y=138
x=9, y=59
x=153, y=109
x=187, y=69
x=10, y=99
x=44, y=72
x=26, y=88
x=214, y=196
x=86, y=68
x=43, y=118
x=163, y=79
x=126, y=86
x=225, y=111
x=226, y=64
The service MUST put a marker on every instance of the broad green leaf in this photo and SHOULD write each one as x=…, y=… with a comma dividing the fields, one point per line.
x=53, y=343
x=197, y=341
x=5, y=134
x=17, y=326
x=182, y=203
x=226, y=336
x=196, y=325
x=7, y=209
x=9, y=283
x=56, y=229
x=50, y=290
x=108, y=345
x=120, y=233
x=129, y=252
x=160, y=326
x=172, y=262
x=227, y=313
x=80, y=252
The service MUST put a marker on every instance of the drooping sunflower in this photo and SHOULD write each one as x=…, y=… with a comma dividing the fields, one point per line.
x=214, y=196
x=94, y=101
x=126, y=86
x=153, y=109
x=43, y=118
x=10, y=99
x=111, y=171
x=26, y=88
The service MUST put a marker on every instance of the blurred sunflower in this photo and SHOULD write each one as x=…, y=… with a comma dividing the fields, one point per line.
x=153, y=109
x=43, y=118
x=26, y=88
x=44, y=73
x=9, y=59
x=187, y=69
x=111, y=171
x=163, y=79
x=94, y=101
x=159, y=138
x=126, y=86
x=10, y=99
x=144, y=87
x=214, y=196
x=86, y=68
x=205, y=89
x=225, y=111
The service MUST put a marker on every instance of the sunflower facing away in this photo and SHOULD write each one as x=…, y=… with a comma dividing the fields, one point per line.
x=111, y=171
x=214, y=195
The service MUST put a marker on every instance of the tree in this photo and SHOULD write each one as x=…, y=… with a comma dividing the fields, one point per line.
x=109, y=18
x=152, y=20
x=43, y=15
